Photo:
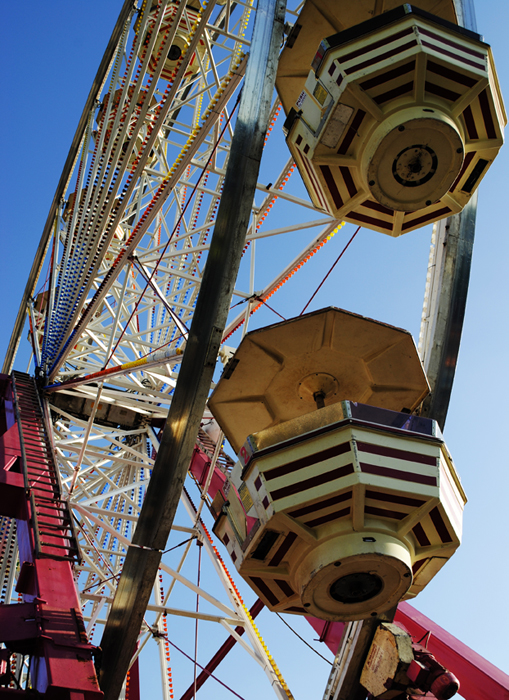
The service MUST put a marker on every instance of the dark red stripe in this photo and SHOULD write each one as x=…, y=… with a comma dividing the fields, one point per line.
x=398, y=474
x=352, y=131
x=283, y=549
x=347, y=177
x=448, y=42
x=312, y=179
x=376, y=206
x=444, y=72
x=441, y=91
x=434, y=216
x=328, y=518
x=383, y=513
x=369, y=220
x=405, y=455
x=313, y=482
x=331, y=184
x=421, y=536
x=440, y=526
x=417, y=565
x=376, y=45
x=296, y=610
x=486, y=115
x=451, y=54
x=330, y=452
x=392, y=498
x=466, y=163
x=396, y=92
x=263, y=588
x=285, y=587
x=389, y=75
x=321, y=505
x=382, y=57
x=470, y=123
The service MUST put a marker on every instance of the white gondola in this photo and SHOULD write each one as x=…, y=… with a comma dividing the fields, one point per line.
x=180, y=42
x=339, y=511
x=397, y=122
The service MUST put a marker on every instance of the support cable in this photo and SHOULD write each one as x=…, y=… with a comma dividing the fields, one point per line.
x=303, y=640
x=203, y=668
x=332, y=267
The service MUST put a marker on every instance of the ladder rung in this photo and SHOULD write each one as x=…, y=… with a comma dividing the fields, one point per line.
x=62, y=528
x=62, y=509
x=59, y=546
x=40, y=488
x=54, y=501
x=59, y=535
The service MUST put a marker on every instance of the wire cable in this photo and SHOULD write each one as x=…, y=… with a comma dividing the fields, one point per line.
x=303, y=640
x=333, y=266
x=202, y=667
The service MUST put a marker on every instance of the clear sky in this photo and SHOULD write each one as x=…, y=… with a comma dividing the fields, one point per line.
x=49, y=56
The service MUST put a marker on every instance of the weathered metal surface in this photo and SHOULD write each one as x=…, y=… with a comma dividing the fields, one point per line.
x=447, y=302
x=276, y=371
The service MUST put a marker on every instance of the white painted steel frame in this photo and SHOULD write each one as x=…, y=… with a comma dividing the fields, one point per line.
x=157, y=231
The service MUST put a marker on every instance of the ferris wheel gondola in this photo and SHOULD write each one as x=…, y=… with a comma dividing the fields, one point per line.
x=130, y=264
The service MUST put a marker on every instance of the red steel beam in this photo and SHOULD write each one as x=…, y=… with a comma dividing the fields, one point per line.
x=480, y=680
x=48, y=625
x=220, y=654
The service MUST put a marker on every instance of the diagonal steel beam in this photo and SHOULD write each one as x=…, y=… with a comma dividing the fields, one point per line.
x=181, y=429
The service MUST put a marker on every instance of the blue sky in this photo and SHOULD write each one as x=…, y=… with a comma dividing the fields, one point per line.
x=49, y=56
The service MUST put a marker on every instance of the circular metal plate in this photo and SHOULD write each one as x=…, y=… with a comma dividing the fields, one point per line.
x=416, y=163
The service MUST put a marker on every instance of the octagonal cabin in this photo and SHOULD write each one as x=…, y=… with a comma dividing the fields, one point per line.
x=336, y=508
x=397, y=121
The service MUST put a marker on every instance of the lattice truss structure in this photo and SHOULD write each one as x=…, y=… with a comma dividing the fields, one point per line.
x=124, y=267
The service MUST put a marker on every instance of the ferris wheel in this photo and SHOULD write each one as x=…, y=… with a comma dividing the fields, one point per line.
x=157, y=165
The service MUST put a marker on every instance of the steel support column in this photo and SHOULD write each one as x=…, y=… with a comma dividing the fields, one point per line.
x=456, y=237
x=181, y=429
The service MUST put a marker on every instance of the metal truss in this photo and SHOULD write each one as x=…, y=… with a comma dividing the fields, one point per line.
x=127, y=251
x=125, y=260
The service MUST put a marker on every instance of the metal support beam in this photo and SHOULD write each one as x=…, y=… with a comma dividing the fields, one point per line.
x=479, y=679
x=453, y=258
x=181, y=429
x=220, y=654
x=446, y=301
